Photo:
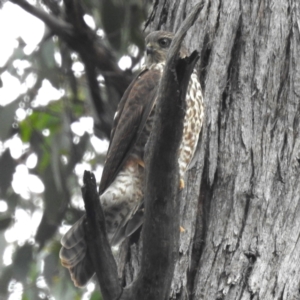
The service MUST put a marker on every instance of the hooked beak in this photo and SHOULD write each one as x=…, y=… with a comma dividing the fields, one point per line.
x=149, y=49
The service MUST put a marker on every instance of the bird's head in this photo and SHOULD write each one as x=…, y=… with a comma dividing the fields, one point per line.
x=157, y=46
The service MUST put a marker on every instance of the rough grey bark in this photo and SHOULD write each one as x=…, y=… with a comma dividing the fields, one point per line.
x=240, y=209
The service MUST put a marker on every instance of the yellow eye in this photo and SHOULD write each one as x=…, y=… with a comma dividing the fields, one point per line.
x=164, y=42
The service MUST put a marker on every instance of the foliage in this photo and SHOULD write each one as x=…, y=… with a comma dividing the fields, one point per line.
x=52, y=131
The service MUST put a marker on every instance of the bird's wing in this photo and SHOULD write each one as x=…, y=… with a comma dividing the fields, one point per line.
x=133, y=111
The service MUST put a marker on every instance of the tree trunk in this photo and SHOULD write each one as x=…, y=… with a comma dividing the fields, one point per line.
x=240, y=208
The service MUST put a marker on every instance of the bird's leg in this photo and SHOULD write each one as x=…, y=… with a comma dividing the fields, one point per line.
x=181, y=187
x=181, y=184
x=135, y=161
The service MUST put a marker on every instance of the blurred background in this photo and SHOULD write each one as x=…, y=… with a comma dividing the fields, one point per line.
x=57, y=101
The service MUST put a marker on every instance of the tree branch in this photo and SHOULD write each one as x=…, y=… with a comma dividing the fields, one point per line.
x=98, y=245
x=103, y=116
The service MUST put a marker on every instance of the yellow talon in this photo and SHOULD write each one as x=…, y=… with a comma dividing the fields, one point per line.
x=181, y=184
x=141, y=163
x=181, y=229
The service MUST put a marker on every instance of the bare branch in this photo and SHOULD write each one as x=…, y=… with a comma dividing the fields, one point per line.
x=98, y=245
x=105, y=120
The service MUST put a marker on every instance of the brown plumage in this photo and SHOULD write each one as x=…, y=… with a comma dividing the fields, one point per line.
x=121, y=186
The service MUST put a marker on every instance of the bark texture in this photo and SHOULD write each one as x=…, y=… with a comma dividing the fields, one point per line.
x=240, y=208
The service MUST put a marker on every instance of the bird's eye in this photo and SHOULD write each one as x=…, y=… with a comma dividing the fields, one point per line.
x=164, y=42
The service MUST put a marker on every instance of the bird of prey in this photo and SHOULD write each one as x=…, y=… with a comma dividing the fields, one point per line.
x=121, y=186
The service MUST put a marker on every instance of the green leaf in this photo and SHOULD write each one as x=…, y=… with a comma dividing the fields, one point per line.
x=25, y=131
x=45, y=161
x=25, y=297
x=33, y=272
x=96, y=295
x=39, y=121
x=78, y=109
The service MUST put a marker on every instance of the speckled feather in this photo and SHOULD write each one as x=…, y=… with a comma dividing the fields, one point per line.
x=121, y=187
